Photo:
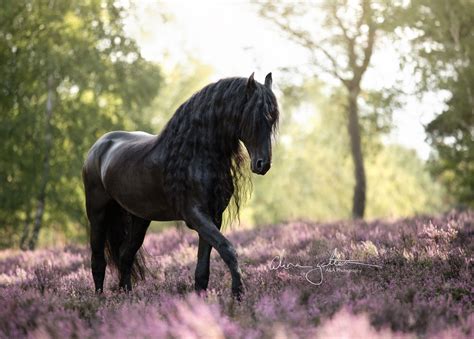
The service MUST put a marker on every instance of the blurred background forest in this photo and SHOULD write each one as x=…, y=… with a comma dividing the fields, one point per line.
x=353, y=79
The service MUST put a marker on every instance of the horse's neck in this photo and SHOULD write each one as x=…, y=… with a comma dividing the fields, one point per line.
x=215, y=144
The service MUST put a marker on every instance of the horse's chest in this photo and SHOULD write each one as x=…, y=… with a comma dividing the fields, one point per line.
x=222, y=190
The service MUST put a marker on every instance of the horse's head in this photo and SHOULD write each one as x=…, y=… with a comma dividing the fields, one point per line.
x=258, y=124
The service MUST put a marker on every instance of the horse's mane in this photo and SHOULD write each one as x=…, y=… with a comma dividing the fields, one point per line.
x=203, y=132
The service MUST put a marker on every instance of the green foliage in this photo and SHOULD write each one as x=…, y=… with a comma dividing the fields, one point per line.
x=179, y=84
x=400, y=184
x=100, y=82
x=444, y=58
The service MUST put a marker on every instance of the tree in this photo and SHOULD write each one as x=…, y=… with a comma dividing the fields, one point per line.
x=343, y=50
x=311, y=173
x=69, y=74
x=444, y=55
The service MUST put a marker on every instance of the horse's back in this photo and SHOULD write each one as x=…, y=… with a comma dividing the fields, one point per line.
x=110, y=146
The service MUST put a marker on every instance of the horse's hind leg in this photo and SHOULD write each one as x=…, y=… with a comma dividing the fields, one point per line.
x=137, y=228
x=96, y=203
x=98, y=263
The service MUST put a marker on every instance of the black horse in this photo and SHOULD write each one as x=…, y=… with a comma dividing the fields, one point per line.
x=188, y=172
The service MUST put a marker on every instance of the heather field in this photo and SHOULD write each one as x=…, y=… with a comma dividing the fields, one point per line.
x=422, y=287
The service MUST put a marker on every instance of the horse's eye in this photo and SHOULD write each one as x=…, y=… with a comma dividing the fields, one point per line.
x=269, y=118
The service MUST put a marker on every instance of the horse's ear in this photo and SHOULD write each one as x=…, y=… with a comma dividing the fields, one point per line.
x=268, y=80
x=251, y=85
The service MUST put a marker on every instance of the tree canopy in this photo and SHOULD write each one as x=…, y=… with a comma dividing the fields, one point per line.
x=69, y=74
x=444, y=54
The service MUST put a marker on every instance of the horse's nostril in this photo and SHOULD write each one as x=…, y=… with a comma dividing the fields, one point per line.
x=259, y=164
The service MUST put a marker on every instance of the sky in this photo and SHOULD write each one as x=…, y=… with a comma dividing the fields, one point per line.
x=231, y=37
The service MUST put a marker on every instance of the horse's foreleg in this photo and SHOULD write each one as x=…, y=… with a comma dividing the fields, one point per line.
x=201, y=276
x=209, y=232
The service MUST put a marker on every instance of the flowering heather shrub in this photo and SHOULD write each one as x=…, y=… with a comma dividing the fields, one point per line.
x=423, y=287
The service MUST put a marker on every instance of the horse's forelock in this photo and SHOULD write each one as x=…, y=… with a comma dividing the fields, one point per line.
x=260, y=105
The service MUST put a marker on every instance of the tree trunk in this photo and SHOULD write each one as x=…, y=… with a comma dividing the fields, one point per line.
x=48, y=141
x=26, y=230
x=358, y=202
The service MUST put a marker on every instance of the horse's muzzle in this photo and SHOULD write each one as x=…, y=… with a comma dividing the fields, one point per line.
x=260, y=166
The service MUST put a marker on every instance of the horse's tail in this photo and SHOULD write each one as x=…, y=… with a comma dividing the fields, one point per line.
x=119, y=223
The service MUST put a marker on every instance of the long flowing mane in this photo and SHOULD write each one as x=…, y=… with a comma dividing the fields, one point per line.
x=204, y=132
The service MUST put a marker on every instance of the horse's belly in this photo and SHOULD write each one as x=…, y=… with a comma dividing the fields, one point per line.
x=145, y=202
x=139, y=193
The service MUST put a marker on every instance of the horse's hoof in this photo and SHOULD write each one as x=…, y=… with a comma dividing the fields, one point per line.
x=238, y=293
x=125, y=289
x=237, y=296
x=202, y=293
